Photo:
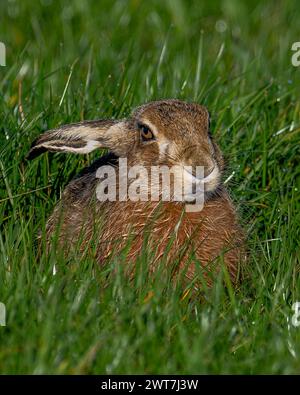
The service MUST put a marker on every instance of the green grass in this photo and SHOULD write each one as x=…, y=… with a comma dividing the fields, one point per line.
x=68, y=61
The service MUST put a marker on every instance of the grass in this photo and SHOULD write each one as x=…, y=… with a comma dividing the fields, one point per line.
x=85, y=60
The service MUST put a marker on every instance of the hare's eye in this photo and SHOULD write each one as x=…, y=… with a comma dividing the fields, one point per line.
x=146, y=134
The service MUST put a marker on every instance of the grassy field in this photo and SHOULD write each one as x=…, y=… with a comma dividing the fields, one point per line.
x=68, y=61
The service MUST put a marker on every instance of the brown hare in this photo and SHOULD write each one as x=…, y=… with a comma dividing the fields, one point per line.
x=162, y=133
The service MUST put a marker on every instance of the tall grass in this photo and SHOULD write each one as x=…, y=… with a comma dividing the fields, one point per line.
x=68, y=61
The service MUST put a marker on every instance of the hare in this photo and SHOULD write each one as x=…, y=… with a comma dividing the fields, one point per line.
x=160, y=133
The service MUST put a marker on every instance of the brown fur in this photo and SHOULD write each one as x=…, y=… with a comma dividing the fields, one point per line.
x=182, y=136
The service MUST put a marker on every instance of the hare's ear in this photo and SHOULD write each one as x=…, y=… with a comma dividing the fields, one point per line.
x=84, y=137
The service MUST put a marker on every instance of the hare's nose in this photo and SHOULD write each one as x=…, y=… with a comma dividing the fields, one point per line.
x=197, y=156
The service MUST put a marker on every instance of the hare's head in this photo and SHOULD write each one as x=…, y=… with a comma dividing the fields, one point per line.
x=169, y=132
